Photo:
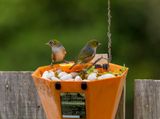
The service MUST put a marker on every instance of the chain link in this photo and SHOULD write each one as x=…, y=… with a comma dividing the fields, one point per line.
x=109, y=33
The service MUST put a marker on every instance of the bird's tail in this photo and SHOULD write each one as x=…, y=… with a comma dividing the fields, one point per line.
x=73, y=66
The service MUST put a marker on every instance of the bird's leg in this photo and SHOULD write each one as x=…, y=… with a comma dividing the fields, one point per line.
x=64, y=61
x=52, y=63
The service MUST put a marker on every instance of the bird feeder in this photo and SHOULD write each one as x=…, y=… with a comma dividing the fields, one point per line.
x=97, y=99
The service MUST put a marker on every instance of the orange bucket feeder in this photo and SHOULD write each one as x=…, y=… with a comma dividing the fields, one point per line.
x=96, y=99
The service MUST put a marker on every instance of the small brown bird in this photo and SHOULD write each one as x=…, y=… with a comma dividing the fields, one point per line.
x=58, y=51
x=87, y=53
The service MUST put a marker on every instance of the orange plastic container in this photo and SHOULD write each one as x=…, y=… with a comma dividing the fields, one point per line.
x=101, y=96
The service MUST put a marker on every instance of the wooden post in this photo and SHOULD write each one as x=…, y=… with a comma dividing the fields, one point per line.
x=147, y=99
x=19, y=99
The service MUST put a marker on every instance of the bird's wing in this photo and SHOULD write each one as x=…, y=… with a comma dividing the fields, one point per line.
x=86, y=54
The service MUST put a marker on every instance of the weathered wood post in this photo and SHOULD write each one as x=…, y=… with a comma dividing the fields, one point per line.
x=147, y=99
x=18, y=97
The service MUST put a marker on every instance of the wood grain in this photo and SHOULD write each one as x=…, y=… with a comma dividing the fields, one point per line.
x=147, y=99
x=97, y=56
x=19, y=99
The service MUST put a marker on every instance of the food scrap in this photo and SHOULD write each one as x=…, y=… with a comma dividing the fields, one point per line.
x=94, y=73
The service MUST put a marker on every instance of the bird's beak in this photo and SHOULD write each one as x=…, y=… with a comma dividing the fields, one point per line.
x=99, y=44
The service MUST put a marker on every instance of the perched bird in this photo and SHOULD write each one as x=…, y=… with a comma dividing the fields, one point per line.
x=58, y=51
x=87, y=53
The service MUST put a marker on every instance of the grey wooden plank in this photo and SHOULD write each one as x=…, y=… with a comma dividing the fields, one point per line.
x=147, y=99
x=18, y=97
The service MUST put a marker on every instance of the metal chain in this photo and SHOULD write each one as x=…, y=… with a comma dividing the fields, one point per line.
x=109, y=33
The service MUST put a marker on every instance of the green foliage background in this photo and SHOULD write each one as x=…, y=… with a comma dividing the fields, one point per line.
x=26, y=25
